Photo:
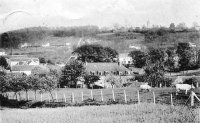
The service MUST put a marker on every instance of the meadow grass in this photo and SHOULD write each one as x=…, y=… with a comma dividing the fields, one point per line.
x=138, y=113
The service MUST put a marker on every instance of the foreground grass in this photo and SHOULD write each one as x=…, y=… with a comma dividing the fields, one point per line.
x=145, y=112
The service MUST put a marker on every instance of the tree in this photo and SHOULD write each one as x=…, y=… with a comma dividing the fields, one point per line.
x=15, y=82
x=42, y=60
x=154, y=74
x=95, y=53
x=156, y=55
x=172, y=27
x=71, y=72
x=139, y=58
x=111, y=54
x=91, y=79
x=3, y=62
x=34, y=81
x=49, y=83
x=4, y=85
x=170, y=62
x=185, y=54
x=182, y=26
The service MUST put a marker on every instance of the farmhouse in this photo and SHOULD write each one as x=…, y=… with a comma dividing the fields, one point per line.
x=22, y=69
x=125, y=59
x=23, y=61
x=103, y=69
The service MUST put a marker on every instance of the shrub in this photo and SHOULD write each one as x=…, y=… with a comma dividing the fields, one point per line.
x=191, y=81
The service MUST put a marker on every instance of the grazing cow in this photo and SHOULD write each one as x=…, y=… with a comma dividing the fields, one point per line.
x=145, y=87
x=185, y=87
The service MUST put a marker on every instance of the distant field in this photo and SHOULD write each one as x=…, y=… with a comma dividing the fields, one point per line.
x=143, y=113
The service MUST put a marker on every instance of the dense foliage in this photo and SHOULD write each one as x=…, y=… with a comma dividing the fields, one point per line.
x=71, y=73
x=96, y=53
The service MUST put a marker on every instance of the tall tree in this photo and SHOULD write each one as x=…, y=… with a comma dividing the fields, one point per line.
x=95, y=53
x=139, y=58
x=71, y=72
x=3, y=62
x=91, y=79
x=185, y=54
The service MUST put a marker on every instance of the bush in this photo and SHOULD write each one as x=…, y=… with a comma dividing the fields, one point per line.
x=42, y=60
x=191, y=81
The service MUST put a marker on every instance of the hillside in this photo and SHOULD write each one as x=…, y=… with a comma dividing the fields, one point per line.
x=62, y=41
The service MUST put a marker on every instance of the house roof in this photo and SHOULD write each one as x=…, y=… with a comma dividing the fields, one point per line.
x=105, y=67
x=123, y=55
x=24, y=59
x=22, y=67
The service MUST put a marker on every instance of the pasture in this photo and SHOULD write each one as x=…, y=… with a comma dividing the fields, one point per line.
x=119, y=95
x=139, y=113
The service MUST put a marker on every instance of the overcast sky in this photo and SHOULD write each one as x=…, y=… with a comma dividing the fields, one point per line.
x=16, y=14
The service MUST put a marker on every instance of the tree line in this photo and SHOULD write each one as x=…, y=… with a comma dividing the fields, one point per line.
x=156, y=62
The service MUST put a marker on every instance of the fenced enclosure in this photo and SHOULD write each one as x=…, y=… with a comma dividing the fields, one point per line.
x=117, y=95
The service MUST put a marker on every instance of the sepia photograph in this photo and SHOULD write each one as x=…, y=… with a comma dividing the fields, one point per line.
x=99, y=61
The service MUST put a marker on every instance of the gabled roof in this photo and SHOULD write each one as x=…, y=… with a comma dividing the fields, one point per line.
x=22, y=67
x=105, y=67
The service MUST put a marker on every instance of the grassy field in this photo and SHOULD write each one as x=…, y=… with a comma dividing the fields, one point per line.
x=142, y=113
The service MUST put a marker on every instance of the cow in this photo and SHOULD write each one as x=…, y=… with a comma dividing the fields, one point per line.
x=185, y=87
x=145, y=87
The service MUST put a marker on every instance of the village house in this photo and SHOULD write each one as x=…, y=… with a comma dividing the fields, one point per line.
x=26, y=69
x=22, y=61
x=104, y=70
x=125, y=59
x=2, y=52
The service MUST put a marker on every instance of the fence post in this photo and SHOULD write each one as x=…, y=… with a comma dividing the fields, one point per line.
x=113, y=93
x=125, y=96
x=172, y=100
x=56, y=96
x=91, y=94
x=49, y=99
x=154, y=99
x=72, y=97
x=41, y=97
x=138, y=97
x=27, y=96
x=101, y=95
x=192, y=98
x=82, y=96
x=65, y=98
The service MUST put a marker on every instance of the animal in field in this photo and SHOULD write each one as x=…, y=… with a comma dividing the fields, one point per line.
x=185, y=87
x=145, y=87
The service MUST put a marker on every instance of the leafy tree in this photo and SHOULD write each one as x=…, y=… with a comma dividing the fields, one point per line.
x=154, y=74
x=35, y=82
x=170, y=62
x=42, y=60
x=156, y=55
x=71, y=72
x=95, y=53
x=139, y=58
x=3, y=62
x=49, y=83
x=111, y=54
x=26, y=85
x=91, y=79
x=172, y=27
x=4, y=85
x=185, y=54
x=15, y=82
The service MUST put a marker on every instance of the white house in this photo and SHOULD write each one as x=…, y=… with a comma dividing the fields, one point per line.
x=2, y=53
x=23, y=61
x=125, y=59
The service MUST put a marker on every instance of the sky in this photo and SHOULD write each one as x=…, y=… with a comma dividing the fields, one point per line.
x=16, y=14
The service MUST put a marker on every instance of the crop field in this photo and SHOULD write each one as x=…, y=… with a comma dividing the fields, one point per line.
x=138, y=113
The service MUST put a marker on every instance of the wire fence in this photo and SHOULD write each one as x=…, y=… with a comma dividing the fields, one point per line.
x=162, y=96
